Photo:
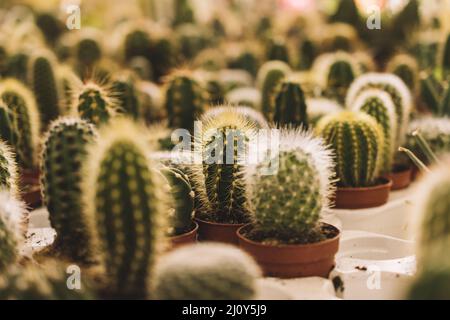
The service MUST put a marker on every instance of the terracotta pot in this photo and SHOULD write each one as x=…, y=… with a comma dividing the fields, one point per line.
x=185, y=238
x=217, y=232
x=31, y=189
x=401, y=179
x=361, y=198
x=293, y=261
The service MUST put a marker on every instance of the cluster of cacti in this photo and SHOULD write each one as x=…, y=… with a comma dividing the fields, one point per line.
x=64, y=150
x=288, y=204
x=289, y=106
x=219, y=272
x=360, y=133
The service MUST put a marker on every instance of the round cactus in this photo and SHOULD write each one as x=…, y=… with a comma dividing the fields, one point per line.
x=13, y=217
x=8, y=169
x=22, y=128
x=218, y=272
x=125, y=206
x=137, y=43
x=253, y=116
x=45, y=86
x=308, y=53
x=64, y=150
x=406, y=68
x=185, y=101
x=269, y=77
x=378, y=104
x=46, y=282
x=249, y=97
x=289, y=105
x=192, y=39
x=320, y=107
x=287, y=205
x=88, y=50
x=358, y=142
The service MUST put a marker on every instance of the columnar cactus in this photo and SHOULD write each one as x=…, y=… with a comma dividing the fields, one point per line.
x=308, y=53
x=289, y=203
x=12, y=230
x=88, y=50
x=358, y=142
x=45, y=282
x=269, y=77
x=320, y=107
x=218, y=272
x=64, y=150
x=185, y=101
x=253, y=116
x=125, y=93
x=137, y=43
x=289, y=105
x=223, y=166
x=378, y=104
x=399, y=92
x=8, y=168
x=94, y=103
x=23, y=133
x=406, y=68
x=125, y=205
x=43, y=81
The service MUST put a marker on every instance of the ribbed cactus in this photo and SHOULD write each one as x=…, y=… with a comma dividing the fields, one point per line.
x=224, y=166
x=12, y=231
x=20, y=121
x=253, y=116
x=64, y=150
x=269, y=77
x=43, y=81
x=126, y=94
x=278, y=50
x=8, y=168
x=289, y=105
x=125, y=205
x=406, y=68
x=185, y=101
x=399, y=92
x=378, y=104
x=182, y=200
x=218, y=272
x=46, y=282
x=94, y=103
x=358, y=142
x=320, y=107
x=288, y=204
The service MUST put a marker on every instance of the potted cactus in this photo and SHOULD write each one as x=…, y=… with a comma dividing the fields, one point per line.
x=286, y=236
x=358, y=142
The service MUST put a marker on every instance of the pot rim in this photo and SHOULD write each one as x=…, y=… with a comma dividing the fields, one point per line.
x=186, y=234
x=386, y=183
x=220, y=224
x=309, y=245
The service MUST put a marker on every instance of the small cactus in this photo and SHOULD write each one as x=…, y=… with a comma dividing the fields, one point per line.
x=64, y=150
x=43, y=81
x=125, y=92
x=249, y=97
x=125, y=207
x=183, y=12
x=22, y=128
x=308, y=52
x=378, y=104
x=287, y=205
x=88, y=50
x=192, y=39
x=269, y=77
x=137, y=43
x=253, y=116
x=185, y=101
x=218, y=272
x=18, y=66
x=13, y=217
x=278, y=50
x=317, y=108
x=289, y=105
x=406, y=68
x=358, y=142
x=8, y=168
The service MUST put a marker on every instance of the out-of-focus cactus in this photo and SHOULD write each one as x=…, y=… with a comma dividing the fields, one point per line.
x=8, y=167
x=253, y=116
x=183, y=12
x=289, y=105
x=347, y=12
x=70, y=83
x=406, y=68
x=191, y=40
x=446, y=57
x=317, y=108
x=218, y=272
x=246, y=59
x=123, y=87
x=52, y=28
x=18, y=66
x=249, y=97
x=278, y=50
x=308, y=52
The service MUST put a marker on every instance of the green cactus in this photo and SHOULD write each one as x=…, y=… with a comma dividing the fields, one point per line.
x=3, y=61
x=51, y=27
x=278, y=50
x=125, y=92
x=137, y=43
x=308, y=52
x=446, y=57
x=289, y=105
x=192, y=39
x=185, y=100
x=358, y=142
x=18, y=66
x=20, y=124
x=94, y=103
x=125, y=205
x=317, y=108
x=245, y=60
x=431, y=92
x=223, y=171
x=46, y=282
x=269, y=77
x=70, y=83
x=406, y=68
x=64, y=150
x=287, y=205
x=431, y=285
x=218, y=272
x=88, y=52
x=44, y=83
x=347, y=12
x=12, y=215
x=8, y=168
x=183, y=12
x=252, y=116
x=182, y=201
x=378, y=104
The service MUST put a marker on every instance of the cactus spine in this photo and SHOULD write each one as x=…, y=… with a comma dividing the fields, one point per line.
x=289, y=105
x=64, y=150
x=45, y=86
x=8, y=169
x=378, y=104
x=288, y=204
x=358, y=142
x=219, y=272
x=185, y=101
x=125, y=204
x=22, y=126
